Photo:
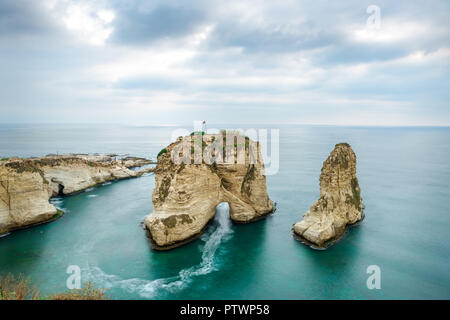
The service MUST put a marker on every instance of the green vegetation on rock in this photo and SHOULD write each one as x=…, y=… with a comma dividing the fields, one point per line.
x=164, y=150
x=356, y=194
x=198, y=132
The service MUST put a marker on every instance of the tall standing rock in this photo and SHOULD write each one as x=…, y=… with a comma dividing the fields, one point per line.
x=186, y=195
x=340, y=203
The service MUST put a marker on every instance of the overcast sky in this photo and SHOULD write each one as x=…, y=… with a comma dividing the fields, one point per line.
x=172, y=62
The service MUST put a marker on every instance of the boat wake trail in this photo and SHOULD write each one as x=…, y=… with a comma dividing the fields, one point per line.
x=218, y=232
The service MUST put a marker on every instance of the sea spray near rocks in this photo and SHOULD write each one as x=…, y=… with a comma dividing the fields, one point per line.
x=219, y=231
x=57, y=202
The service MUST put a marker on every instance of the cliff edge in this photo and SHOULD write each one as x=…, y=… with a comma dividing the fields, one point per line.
x=26, y=185
x=339, y=205
x=186, y=194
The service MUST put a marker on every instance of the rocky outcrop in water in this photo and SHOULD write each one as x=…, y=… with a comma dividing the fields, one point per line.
x=339, y=205
x=186, y=195
x=26, y=185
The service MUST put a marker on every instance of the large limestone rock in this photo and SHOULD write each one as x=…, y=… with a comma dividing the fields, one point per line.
x=24, y=195
x=71, y=174
x=339, y=205
x=26, y=185
x=186, y=195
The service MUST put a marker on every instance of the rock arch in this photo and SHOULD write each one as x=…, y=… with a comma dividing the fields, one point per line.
x=186, y=196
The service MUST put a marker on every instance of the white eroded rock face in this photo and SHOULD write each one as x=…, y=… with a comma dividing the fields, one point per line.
x=186, y=195
x=339, y=204
x=26, y=185
x=71, y=176
x=23, y=199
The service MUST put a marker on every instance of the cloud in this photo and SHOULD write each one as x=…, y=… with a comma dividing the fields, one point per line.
x=87, y=22
x=137, y=26
x=22, y=17
x=259, y=61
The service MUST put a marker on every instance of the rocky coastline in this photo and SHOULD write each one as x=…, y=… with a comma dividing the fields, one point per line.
x=26, y=185
x=186, y=195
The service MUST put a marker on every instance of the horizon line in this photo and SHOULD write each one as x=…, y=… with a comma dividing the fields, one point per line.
x=228, y=124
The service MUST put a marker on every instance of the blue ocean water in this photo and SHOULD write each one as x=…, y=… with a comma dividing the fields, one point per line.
x=404, y=174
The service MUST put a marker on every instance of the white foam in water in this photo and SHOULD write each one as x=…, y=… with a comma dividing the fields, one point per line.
x=106, y=183
x=89, y=189
x=57, y=202
x=92, y=196
x=150, y=288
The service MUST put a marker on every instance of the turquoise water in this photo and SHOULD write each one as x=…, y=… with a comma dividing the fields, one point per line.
x=404, y=174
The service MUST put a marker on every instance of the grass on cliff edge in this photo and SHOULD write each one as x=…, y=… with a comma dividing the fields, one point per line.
x=20, y=288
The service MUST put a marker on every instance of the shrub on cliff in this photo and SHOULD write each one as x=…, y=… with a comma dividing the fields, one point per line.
x=20, y=288
x=162, y=152
x=88, y=292
x=198, y=132
x=12, y=288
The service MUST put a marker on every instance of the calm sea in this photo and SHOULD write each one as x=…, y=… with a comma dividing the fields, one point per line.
x=404, y=174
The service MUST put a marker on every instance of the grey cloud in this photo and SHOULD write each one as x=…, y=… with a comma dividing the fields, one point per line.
x=280, y=39
x=23, y=17
x=149, y=83
x=51, y=74
x=133, y=26
x=325, y=25
x=350, y=53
